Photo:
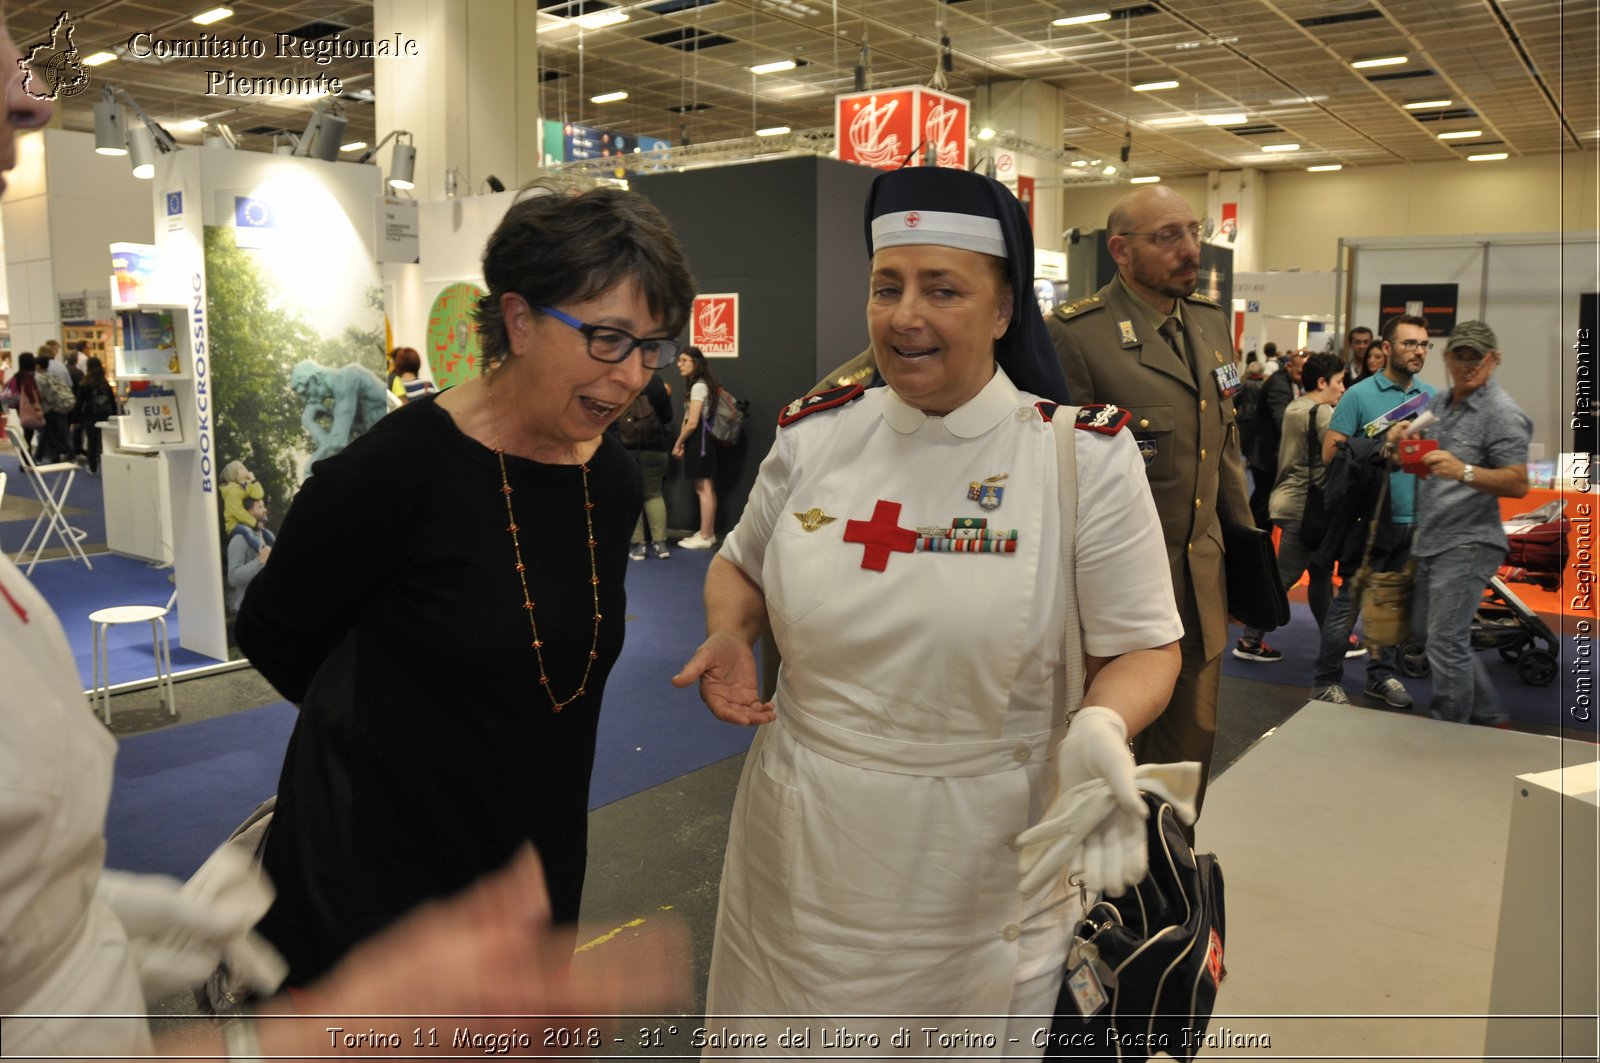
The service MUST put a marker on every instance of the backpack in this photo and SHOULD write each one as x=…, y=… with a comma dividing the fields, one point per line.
x=639, y=428
x=727, y=416
x=102, y=404
x=55, y=393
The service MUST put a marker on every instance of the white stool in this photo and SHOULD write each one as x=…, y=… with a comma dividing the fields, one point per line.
x=103, y=619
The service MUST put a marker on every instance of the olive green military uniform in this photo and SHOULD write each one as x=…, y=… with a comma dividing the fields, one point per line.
x=1189, y=437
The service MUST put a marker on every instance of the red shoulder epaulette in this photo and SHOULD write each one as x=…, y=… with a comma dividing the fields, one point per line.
x=1104, y=418
x=1046, y=408
x=822, y=400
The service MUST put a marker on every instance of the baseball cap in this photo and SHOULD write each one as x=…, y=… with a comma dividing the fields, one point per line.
x=1474, y=334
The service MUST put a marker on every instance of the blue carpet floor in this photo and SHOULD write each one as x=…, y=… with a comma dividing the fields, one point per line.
x=179, y=792
x=1298, y=643
x=84, y=507
x=74, y=592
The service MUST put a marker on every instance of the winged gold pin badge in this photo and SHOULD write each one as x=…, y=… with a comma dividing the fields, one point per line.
x=813, y=518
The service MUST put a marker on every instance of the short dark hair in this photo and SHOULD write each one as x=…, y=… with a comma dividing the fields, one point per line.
x=406, y=360
x=1352, y=333
x=1269, y=349
x=1320, y=368
x=553, y=248
x=1391, y=326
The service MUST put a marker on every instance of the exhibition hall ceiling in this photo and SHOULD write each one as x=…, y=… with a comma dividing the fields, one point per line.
x=1512, y=76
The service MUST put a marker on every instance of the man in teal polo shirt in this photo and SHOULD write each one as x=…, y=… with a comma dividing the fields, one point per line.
x=1405, y=339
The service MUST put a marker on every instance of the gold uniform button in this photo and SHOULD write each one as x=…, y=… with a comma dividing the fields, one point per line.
x=1202, y=404
x=1202, y=453
x=1197, y=503
x=1144, y=422
x=1191, y=548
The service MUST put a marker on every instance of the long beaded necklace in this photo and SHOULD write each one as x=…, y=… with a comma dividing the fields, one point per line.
x=556, y=705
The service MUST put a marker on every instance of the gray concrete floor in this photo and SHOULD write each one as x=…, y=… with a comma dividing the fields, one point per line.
x=657, y=856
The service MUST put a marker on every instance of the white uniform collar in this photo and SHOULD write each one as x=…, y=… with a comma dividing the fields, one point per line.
x=998, y=399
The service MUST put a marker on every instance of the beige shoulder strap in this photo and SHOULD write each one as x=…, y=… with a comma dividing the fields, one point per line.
x=1063, y=424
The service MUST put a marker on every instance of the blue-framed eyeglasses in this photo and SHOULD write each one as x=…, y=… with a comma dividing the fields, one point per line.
x=608, y=344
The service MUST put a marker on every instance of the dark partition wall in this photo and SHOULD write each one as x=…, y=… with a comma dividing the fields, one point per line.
x=787, y=236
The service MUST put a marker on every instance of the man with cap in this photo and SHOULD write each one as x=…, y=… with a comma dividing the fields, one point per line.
x=903, y=827
x=1459, y=542
x=1148, y=343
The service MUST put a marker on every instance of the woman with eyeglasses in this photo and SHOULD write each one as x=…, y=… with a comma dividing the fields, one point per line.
x=417, y=765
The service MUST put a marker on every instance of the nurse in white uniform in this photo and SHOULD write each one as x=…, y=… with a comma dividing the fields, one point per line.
x=903, y=542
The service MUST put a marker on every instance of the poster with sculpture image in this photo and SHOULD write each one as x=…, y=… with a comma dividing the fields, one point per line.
x=296, y=339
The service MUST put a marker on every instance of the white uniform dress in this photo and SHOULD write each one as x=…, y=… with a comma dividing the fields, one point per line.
x=62, y=952
x=870, y=867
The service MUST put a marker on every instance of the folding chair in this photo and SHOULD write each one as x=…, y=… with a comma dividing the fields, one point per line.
x=51, y=484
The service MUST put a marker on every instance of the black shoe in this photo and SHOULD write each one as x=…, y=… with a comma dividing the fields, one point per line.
x=1256, y=651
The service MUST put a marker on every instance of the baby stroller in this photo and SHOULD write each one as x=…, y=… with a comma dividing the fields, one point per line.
x=1537, y=552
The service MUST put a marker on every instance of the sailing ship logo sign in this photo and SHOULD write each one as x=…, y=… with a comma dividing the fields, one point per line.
x=714, y=328
x=888, y=128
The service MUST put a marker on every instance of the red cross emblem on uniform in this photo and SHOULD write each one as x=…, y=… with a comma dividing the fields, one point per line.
x=881, y=535
x=913, y=219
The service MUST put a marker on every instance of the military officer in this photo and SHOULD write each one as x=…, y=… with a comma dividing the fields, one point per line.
x=1147, y=343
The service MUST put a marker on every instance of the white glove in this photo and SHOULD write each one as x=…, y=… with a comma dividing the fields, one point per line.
x=1095, y=826
x=179, y=932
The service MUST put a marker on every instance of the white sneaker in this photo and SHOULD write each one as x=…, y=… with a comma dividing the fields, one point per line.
x=698, y=542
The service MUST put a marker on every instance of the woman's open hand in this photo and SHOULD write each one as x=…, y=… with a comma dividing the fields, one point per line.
x=729, y=683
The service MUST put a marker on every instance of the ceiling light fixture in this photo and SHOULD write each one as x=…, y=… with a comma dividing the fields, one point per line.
x=1080, y=20
x=1328, y=168
x=773, y=67
x=1461, y=134
x=1382, y=60
x=1150, y=180
x=1108, y=170
x=324, y=131
x=772, y=131
x=1294, y=100
x=142, y=152
x=609, y=97
x=986, y=133
x=1181, y=119
x=144, y=140
x=99, y=59
x=1080, y=163
x=1153, y=86
x=1281, y=147
x=601, y=19
x=354, y=145
x=189, y=125
x=216, y=14
x=1426, y=105
x=1493, y=156
x=402, y=164
x=110, y=128
x=1225, y=119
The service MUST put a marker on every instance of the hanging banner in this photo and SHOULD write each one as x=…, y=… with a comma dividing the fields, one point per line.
x=887, y=128
x=714, y=328
x=1230, y=221
x=1025, y=193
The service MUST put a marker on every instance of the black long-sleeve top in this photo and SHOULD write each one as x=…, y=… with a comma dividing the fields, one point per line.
x=426, y=750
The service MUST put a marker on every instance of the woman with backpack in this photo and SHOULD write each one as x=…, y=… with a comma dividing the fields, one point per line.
x=696, y=447
x=96, y=402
